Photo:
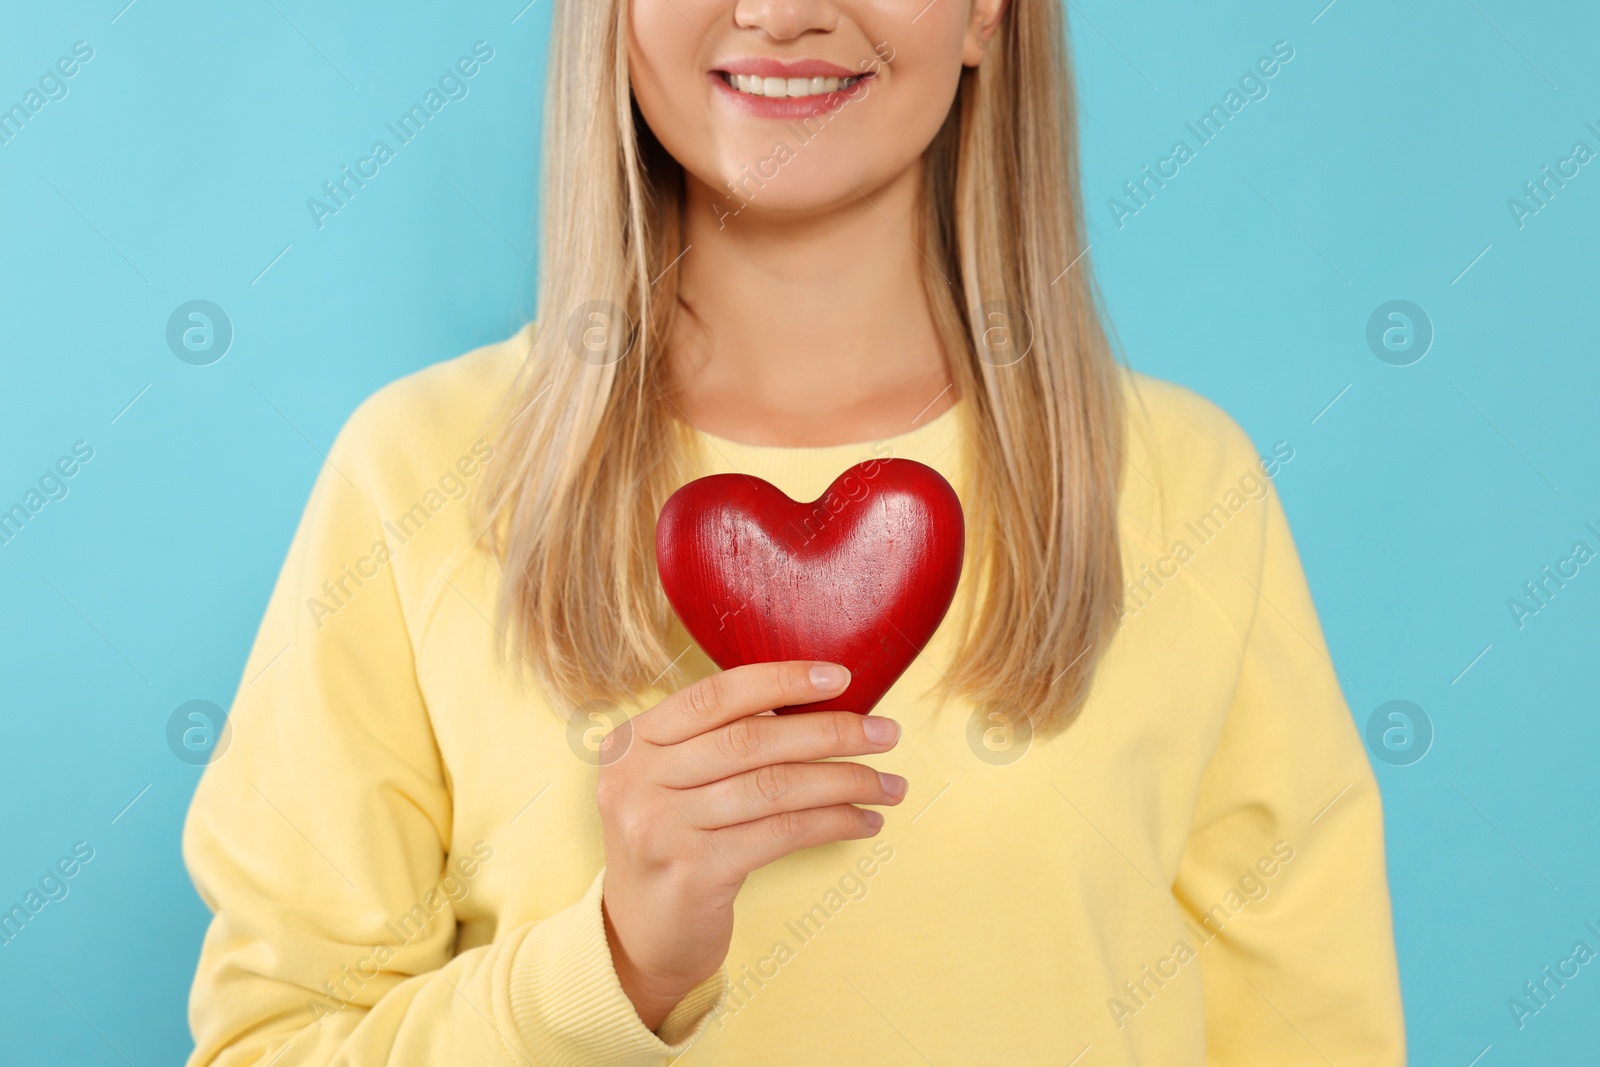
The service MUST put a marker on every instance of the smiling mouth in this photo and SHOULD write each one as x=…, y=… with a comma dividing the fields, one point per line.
x=753, y=85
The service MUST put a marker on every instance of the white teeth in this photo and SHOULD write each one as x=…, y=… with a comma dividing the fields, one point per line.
x=787, y=87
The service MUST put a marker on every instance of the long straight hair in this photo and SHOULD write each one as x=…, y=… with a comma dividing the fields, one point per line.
x=591, y=446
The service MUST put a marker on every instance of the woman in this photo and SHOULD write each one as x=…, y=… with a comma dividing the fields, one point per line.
x=1115, y=813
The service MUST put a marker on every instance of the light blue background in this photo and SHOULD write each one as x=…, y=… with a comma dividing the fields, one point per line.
x=1378, y=168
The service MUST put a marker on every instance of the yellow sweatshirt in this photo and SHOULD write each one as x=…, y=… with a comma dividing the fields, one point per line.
x=401, y=847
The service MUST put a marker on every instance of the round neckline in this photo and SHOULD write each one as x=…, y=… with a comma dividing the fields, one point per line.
x=945, y=418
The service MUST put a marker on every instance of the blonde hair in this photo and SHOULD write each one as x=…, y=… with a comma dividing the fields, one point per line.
x=591, y=447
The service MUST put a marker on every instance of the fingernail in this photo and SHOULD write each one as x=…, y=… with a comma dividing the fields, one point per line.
x=893, y=784
x=829, y=676
x=875, y=820
x=880, y=731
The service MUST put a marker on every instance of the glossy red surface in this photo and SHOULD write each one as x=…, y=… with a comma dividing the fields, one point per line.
x=861, y=576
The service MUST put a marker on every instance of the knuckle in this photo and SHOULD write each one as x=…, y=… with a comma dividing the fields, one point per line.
x=843, y=821
x=741, y=739
x=706, y=695
x=852, y=820
x=865, y=780
x=771, y=782
x=792, y=680
x=839, y=731
x=607, y=793
x=789, y=826
x=637, y=835
x=615, y=744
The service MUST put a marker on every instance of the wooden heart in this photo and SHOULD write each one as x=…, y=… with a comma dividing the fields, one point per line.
x=861, y=576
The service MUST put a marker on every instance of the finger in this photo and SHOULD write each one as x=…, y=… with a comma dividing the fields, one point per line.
x=752, y=845
x=757, y=740
x=720, y=698
x=787, y=787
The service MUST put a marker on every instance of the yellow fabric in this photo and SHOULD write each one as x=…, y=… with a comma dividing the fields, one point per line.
x=402, y=850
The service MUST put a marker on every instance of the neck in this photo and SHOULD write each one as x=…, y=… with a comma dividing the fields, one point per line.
x=807, y=329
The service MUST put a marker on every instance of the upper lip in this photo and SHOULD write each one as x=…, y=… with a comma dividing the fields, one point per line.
x=763, y=67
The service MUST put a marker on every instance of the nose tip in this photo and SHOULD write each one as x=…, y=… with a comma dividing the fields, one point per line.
x=785, y=20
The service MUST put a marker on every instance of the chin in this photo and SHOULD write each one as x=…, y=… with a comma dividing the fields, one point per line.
x=788, y=180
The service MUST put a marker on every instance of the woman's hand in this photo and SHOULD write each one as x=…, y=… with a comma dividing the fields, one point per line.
x=702, y=789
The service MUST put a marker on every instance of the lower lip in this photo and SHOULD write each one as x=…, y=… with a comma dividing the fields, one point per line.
x=791, y=107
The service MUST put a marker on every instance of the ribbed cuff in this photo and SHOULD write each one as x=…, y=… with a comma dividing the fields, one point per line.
x=570, y=1005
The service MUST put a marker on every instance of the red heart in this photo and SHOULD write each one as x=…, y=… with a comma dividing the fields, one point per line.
x=861, y=576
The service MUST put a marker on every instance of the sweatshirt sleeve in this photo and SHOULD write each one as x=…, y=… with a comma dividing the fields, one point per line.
x=328, y=817
x=1283, y=878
